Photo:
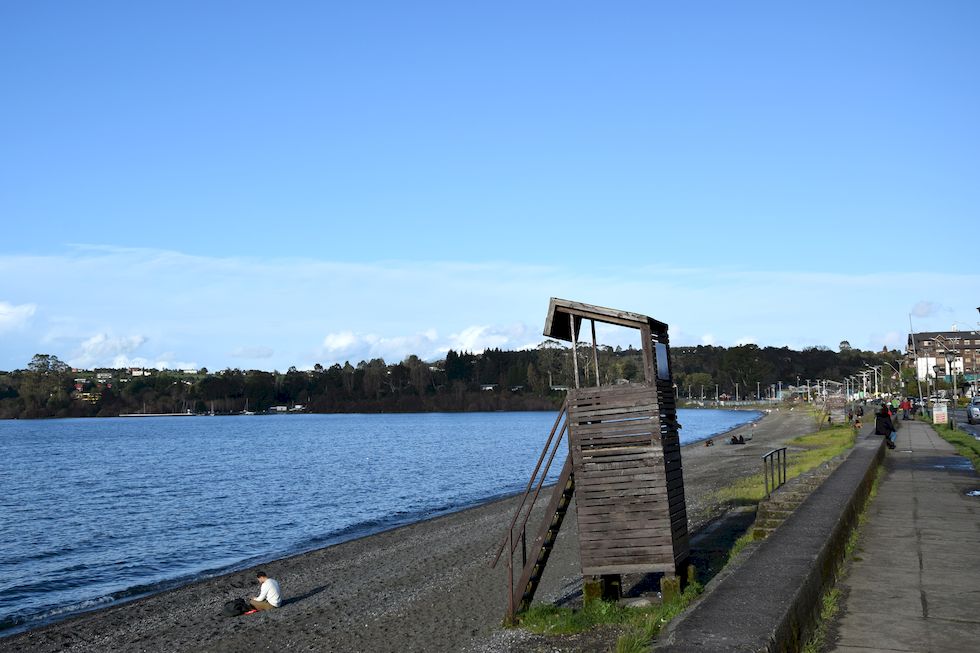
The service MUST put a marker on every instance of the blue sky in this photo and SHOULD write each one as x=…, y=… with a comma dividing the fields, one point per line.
x=256, y=185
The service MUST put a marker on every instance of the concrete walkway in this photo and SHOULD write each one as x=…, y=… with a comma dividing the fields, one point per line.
x=914, y=584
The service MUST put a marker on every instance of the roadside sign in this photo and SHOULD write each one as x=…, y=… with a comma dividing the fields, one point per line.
x=939, y=414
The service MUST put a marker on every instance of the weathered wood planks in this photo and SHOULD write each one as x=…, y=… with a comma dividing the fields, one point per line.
x=627, y=466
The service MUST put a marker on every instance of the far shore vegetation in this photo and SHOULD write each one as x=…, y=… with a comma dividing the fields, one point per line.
x=533, y=379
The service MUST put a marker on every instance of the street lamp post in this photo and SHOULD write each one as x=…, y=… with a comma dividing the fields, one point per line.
x=877, y=370
x=950, y=357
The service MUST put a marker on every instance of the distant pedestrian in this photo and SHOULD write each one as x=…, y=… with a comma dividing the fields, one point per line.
x=906, y=407
x=884, y=426
x=269, y=595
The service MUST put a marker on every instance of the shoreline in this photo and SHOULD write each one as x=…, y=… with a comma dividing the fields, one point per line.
x=357, y=532
x=211, y=591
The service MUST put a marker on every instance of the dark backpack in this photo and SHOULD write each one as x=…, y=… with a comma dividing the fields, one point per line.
x=235, y=608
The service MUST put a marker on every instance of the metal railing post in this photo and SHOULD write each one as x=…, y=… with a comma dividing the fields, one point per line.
x=523, y=547
x=774, y=470
x=510, y=580
x=765, y=472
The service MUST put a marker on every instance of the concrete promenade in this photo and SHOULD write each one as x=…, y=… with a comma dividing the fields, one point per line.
x=914, y=583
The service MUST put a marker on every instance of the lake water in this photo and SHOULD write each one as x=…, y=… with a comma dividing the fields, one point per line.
x=95, y=511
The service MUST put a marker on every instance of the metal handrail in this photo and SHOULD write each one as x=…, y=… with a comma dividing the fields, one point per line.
x=774, y=469
x=509, y=535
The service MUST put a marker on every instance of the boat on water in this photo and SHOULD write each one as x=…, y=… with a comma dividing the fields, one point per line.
x=187, y=414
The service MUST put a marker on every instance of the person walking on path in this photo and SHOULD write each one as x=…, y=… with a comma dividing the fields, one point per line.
x=269, y=594
x=884, y=426
x=906, y=406
x=913, y=587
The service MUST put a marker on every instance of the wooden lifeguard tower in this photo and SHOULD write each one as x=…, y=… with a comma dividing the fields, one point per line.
x=623, y=467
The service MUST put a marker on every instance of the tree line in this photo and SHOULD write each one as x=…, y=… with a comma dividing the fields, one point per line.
x=495, y=379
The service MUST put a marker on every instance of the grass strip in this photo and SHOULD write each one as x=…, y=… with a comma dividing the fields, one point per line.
x=640, y=635
x=830, y=601
x=966, y=445
x=814, y=450
x=641, y=624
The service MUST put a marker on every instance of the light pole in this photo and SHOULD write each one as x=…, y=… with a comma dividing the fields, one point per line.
x=950, y=357
x=875, y=369
x=897, y=371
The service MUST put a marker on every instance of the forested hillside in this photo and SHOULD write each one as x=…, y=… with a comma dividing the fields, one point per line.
x=492, y=380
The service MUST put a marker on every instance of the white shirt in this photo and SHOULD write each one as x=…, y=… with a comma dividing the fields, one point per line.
x=270, y=592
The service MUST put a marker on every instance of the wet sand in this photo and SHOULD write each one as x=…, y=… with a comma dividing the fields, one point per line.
x=423, y=587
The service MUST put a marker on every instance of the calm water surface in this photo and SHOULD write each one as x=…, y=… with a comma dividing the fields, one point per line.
x=98, y=510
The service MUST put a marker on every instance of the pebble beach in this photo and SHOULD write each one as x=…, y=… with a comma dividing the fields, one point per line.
x=427, y=586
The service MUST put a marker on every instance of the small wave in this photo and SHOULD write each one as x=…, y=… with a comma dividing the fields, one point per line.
x=16, y=623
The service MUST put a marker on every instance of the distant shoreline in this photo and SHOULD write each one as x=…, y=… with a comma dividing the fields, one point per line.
x=762, y=406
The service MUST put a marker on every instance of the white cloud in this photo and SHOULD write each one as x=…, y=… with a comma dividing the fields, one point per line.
x=344, y=341
x=479, y=338
x=15, y=316
x=390, y=309
x=104, y=350
x=355, y=347
x=350, y=346
x=925, y=309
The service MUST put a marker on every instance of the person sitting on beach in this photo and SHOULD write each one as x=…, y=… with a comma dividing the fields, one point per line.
x=269, y=594
x=734, y=440
x=741, y=439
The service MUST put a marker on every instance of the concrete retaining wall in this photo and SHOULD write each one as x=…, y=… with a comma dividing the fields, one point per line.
x=769, y=598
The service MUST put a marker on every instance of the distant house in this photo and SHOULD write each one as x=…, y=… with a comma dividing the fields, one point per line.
x=278, y=409
x=488, y=387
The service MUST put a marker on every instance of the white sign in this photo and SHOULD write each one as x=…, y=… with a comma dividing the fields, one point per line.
x=939, y=414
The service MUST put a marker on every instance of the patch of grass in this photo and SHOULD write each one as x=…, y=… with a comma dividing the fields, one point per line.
x=641, y=633
x=642, y=624
x=817, y=448
x=966, y=445
x=548, y=619
x=829, y=606
x=740, y=544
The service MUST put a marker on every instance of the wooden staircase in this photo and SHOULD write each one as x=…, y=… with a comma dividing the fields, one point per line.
x=532, y=567
x=531, y=573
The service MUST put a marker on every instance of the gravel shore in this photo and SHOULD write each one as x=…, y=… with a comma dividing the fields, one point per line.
x=423, y=587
